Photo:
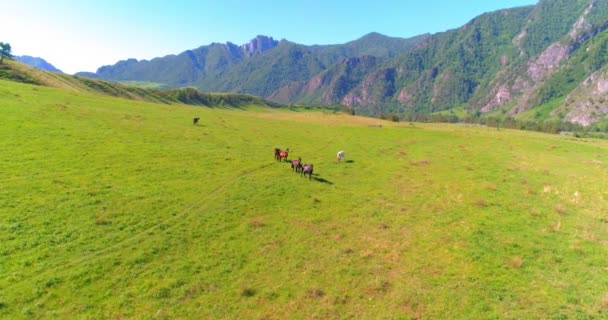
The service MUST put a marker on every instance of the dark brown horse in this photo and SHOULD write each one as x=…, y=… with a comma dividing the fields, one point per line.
x=307, y=169
x=296, y=165
x=277, y=151
x=195, y=120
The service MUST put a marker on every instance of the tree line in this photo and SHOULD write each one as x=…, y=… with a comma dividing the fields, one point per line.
x=598, y=130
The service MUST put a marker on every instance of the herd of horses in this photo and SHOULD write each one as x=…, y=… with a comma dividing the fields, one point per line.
x=296, y=165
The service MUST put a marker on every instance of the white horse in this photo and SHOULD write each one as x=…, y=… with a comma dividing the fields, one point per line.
x=340, y=155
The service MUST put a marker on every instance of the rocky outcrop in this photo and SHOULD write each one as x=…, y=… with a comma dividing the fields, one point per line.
x=373, y=90
x=523, y=82
x=548, y=61
x=329, y=87
x=588, y=103
x=258, y=45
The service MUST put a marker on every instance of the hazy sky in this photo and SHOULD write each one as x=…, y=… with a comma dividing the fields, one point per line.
x=82, y=35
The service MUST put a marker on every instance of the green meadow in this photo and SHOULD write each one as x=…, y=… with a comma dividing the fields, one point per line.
x=120, y=209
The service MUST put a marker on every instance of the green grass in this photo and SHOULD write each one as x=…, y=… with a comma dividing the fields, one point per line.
x=144, y=84
x=542, y=112
x=122, y=209
x=460, y=112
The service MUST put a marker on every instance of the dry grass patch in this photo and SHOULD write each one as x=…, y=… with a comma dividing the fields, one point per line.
x=561, y=209
x=101, y=219
x=315, y=293
x=514, y=262
x=380, y=287
x=535, y=212
x=604, y=302
x=368, y=254
x=491, y=186
x=556, y=226
x=420, y=162
x=481, y=203
x=348, y=251
x=257, y=223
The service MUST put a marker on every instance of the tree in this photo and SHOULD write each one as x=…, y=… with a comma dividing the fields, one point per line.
x=5, y=51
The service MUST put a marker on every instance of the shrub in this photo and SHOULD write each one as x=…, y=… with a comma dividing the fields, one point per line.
x=248, y=292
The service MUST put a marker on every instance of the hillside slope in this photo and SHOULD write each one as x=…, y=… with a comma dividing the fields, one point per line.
x=16, y=71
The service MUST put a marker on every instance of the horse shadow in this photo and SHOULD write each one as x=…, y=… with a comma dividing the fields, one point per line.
x=350, y=161
x=322, y=180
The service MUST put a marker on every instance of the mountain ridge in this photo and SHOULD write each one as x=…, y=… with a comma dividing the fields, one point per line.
x=502, y=63
x=37, y=62
x=221, y=66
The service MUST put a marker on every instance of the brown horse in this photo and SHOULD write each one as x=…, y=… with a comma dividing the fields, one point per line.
x=283, y=154
x=296, y=165
x=306, y=169
x=195, y=120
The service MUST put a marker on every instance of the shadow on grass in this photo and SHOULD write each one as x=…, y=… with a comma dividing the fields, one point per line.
x=350, y=161
x=322, y=180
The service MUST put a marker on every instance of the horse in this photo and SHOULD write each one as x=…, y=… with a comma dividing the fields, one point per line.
x=277, y=151
x=296, y=165
x=195, y=120
x=283, y=154
x=340, y=155
x=306, y=169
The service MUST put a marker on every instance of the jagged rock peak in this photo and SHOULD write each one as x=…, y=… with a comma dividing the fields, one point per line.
x=258, y=45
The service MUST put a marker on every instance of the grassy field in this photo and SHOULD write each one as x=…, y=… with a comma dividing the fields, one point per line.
x=119, y=209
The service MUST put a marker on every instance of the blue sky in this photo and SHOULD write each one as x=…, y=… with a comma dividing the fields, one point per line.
x=84, y=35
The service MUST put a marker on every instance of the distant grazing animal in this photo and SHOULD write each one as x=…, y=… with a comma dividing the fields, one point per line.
x=340, y=155
x=283, y=154
x=195, y=121
x=296, y=165
x=307, y=169
x=277, y=151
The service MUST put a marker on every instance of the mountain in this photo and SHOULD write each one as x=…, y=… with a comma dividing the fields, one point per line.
x=547, y=60
x=258, y=67
x=543, y=62
x=38, y=63
x=373, y=44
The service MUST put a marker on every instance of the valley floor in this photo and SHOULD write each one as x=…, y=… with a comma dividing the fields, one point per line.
x=118, y=209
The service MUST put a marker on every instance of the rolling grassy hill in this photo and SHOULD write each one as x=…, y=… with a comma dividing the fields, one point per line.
x=116, y=208
x=16, y=71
